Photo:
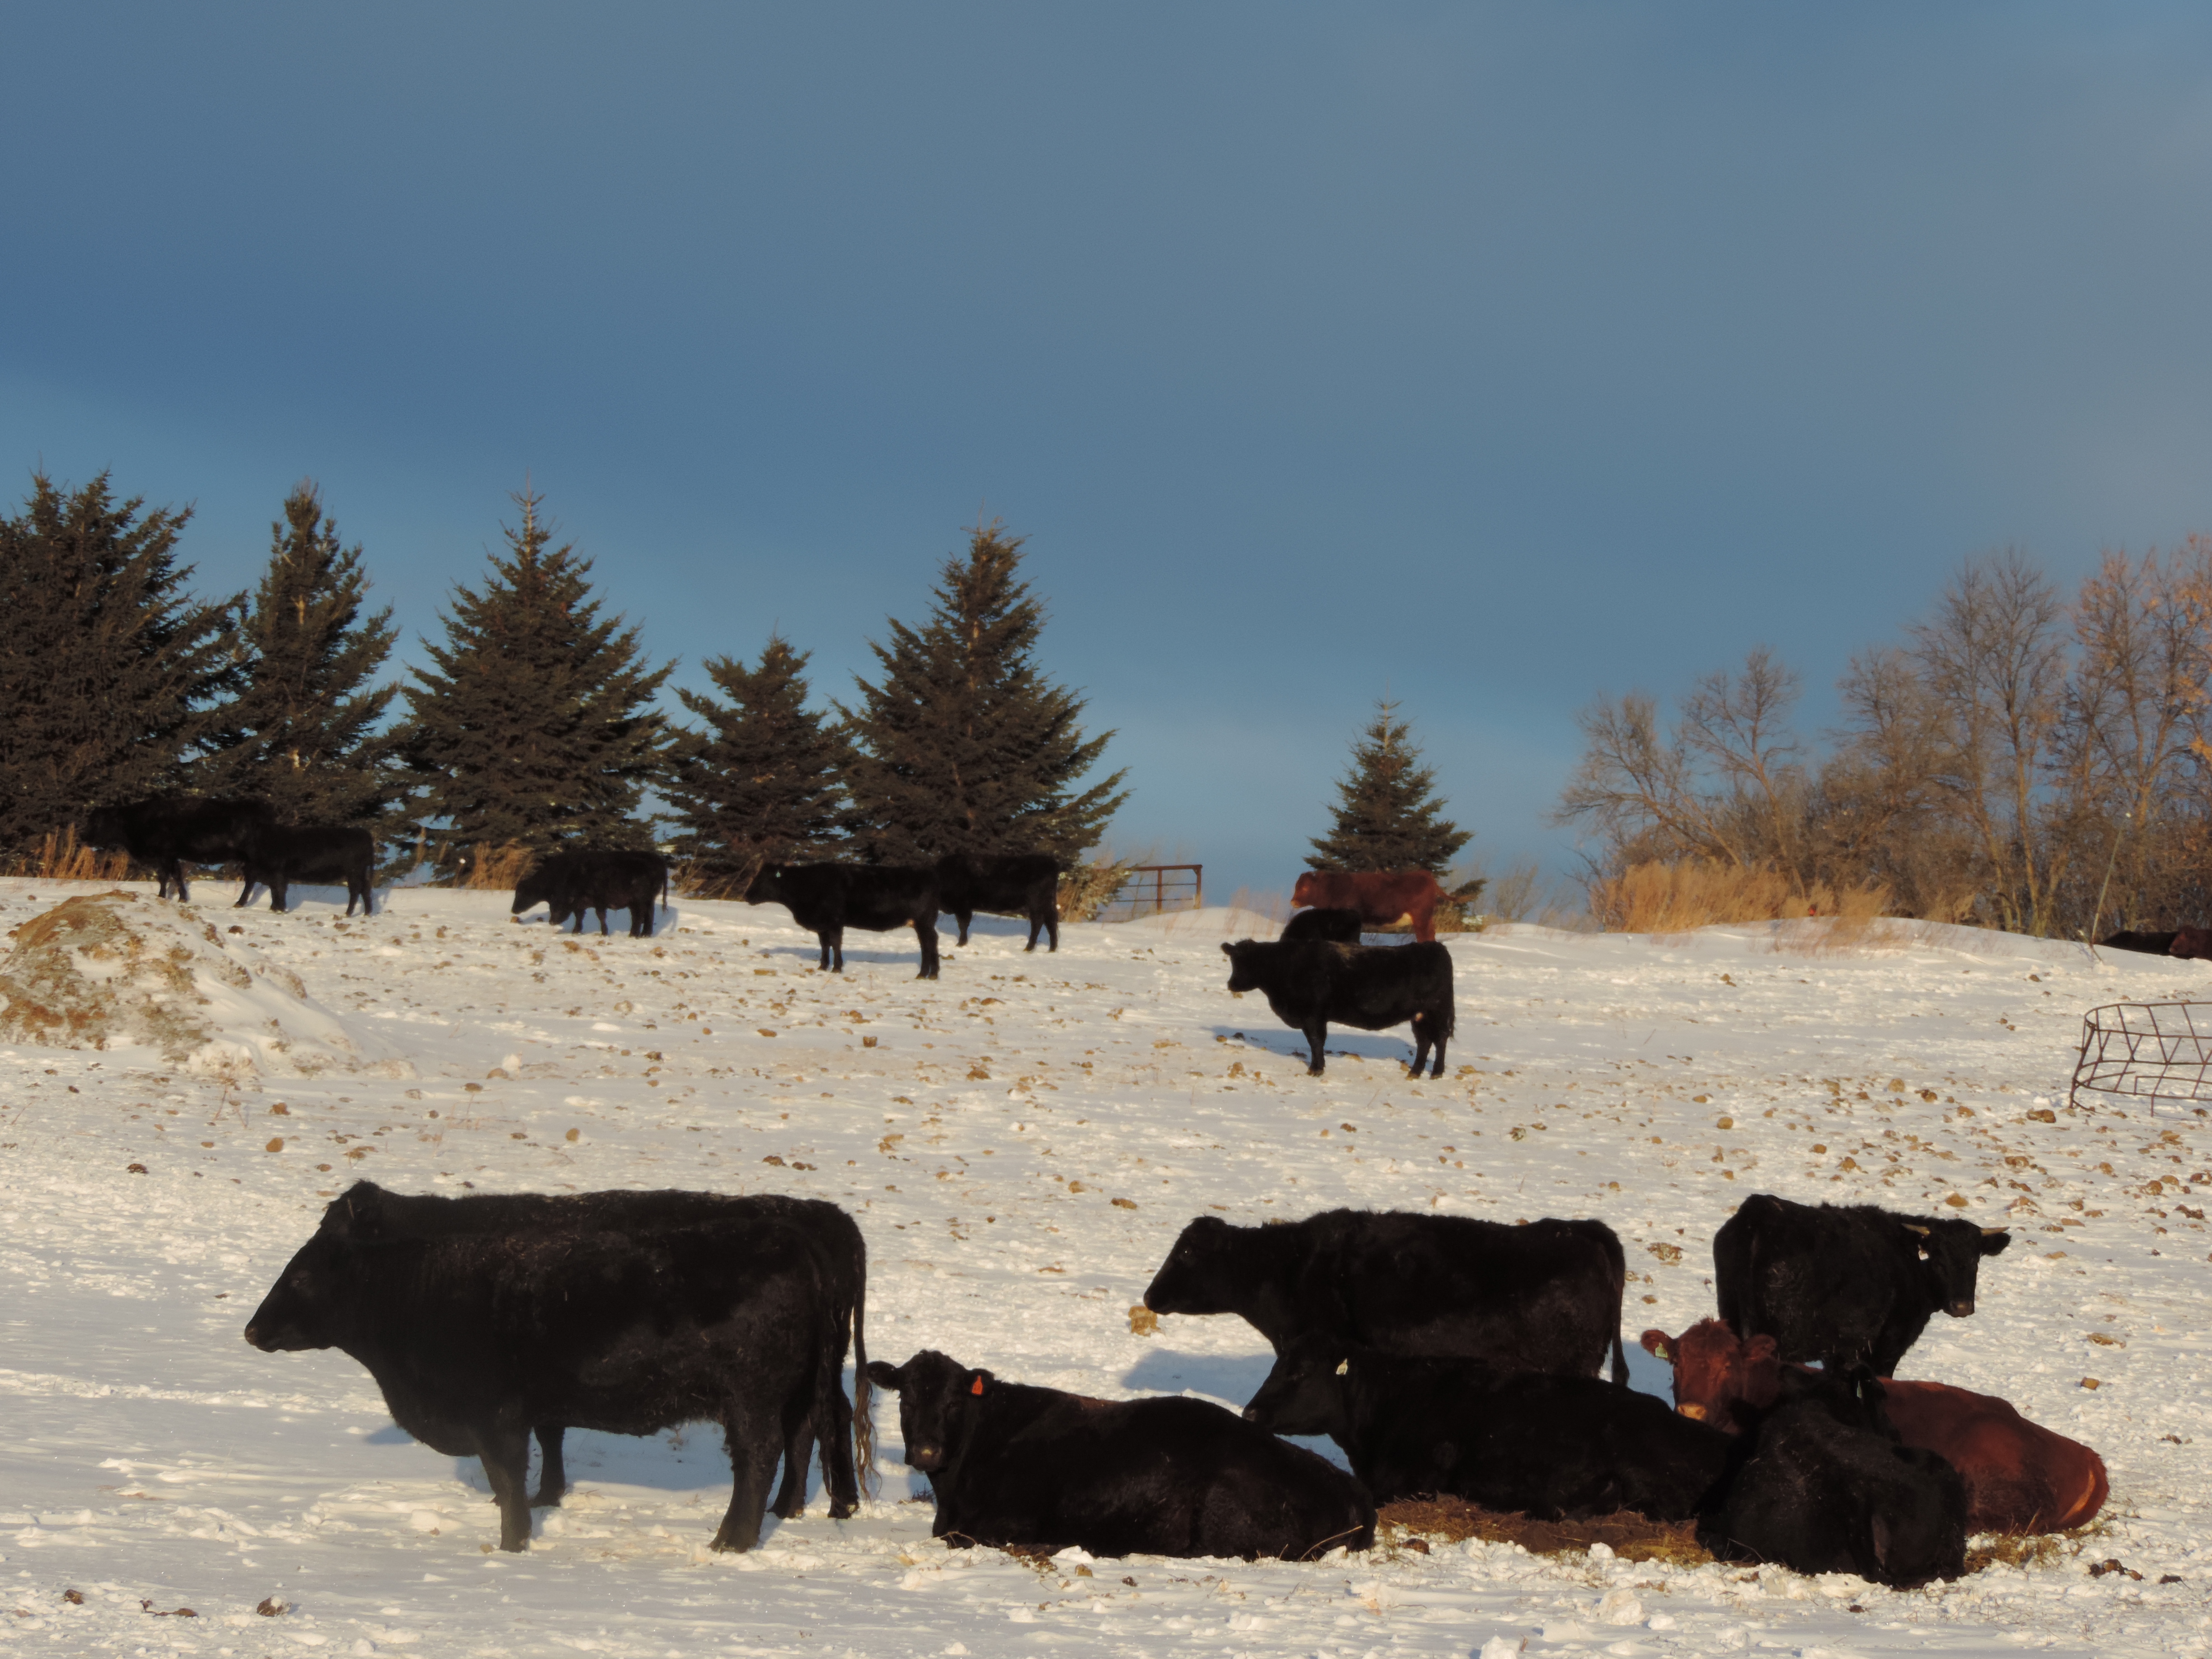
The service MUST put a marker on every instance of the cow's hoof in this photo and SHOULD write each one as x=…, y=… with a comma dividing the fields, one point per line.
x=729, y=1544
x=548, y=1500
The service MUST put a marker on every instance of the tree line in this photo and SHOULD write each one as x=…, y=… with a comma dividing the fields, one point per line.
x=2021, y=758
x=533, y=721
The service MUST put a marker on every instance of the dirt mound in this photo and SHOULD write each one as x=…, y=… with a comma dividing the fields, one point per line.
x=117, y=969
x=1627, y=1535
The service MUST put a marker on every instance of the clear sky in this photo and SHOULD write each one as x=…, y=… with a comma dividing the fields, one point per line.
x=1489, y=356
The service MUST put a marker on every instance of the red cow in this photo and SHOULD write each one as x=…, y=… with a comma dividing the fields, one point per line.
x=2019, y=1476
x=1381, y=897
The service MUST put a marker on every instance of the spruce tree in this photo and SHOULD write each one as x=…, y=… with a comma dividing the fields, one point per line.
x=533, y=723
x=764, y=781
x=963, y=746
x=302, y=733
x=108, y=665
x=1388, y=816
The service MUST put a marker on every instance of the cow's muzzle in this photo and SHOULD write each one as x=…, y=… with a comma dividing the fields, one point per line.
x=1960, y=1309
x=924, y=1458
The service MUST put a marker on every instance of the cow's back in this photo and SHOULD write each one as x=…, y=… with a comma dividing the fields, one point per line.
x=2019, y=1476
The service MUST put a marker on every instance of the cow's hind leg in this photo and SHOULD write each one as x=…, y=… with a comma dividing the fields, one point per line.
x=823, y=966
x=925, y=930
x=797, y=1454
x=1316, y=1047
x=506, y=1455
x=552, y=1469
x=963, y=917
x=753, y=1452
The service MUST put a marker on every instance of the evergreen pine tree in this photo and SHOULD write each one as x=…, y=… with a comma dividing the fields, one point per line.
x=534, y=723
x=108, y=665
x=763, y=782
x=1388, y=817
x=964, y=746
x=302, y=733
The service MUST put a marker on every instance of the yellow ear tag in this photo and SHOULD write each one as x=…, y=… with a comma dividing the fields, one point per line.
x=1342, y=1366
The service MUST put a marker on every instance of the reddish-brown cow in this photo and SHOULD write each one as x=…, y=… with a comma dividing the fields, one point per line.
x=2019, y=1476
x=1381, y=897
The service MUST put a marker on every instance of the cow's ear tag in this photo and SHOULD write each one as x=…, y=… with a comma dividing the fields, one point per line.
x=1342, y=1366
x=976, y=1387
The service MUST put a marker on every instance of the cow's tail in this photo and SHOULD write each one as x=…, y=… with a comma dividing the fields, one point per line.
x=1616, y=1263
x=664, y=884
x=1619, y=1356
x=864, y=1425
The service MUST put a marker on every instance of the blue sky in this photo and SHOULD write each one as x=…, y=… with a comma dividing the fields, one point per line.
x=1489, y=355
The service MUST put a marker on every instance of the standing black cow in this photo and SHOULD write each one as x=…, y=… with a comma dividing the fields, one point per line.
x=1845, y=1284
x=1008, y=1464
x=1025, y=884
x=366, y=1211
x=170, y=831
x=475, y=1338
x=1338, y=927
x=1821, y=1485
x=826, y=899
x=278, y=855
x=1309, y=982
x=568, y=884
x=1540, y=1297
x=1554, y=1447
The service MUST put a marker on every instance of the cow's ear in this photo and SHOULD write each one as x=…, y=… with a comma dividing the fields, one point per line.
x=1229, y=951
x=884, y=1374
x=1658, y=1345
x=1760, y=1349
x=1914, y=1227
x=1994, y=1240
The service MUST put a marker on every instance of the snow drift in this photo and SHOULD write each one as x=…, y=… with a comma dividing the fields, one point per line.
x=120, y=969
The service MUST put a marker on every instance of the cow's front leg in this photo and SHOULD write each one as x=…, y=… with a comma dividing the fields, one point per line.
x=552, y=1467
x=925, y=932
x=753, y=1450
x=279, y=892
x=506, y=1455
x=603, y=920
x=1316, y=1047
x=823, y=966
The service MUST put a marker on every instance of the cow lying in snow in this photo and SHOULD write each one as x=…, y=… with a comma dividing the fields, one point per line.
x=366, y=1211
x=475, y=1338
x=1309, y=982
x=1379, y=896
x=1008, y=1464
x=1025, y=884
x=1845, y=1284
x=1542, y=1297
x=277, y=855
x=570, y=883
x=826, y=899
x=1339, y=927
x=1821, y=1485
x=1554, y=1447
x=2019, y=1476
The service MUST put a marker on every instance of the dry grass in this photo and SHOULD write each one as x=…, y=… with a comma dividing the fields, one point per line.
x=1088, y=888
x=60, y=857
x=1629, y=1535
x=1271, y=902
x=1672, y=898
x=489, y=866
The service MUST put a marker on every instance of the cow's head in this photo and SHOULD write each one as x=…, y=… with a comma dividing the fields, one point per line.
x=767, y=885
x=102, y=827
x=1308, y=1392
x=1718, y=1376
x=1951, y=1255
x=535, y=888
x=1244, y=957
x=938, y=1401
x=2191, y=944
x=1302, y=894
x=356, y=1212
x=305, y=1307
x=1211, y=1261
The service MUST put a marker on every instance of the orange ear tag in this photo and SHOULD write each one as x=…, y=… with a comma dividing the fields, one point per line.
x=978, y=1388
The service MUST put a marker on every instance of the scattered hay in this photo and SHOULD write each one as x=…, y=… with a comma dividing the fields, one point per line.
x=1629, y=1535
x=486, y=866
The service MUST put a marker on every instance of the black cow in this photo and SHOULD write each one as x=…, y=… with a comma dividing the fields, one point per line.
x=568, y=884
x=170, y=831
x=474, y=1339
x=1309, y=982
x=278, y=855
x=1024, y=884
x=826, y=899
x=1540, y=1297
x=2129, y=938
x=1338, y=927
x=1845, y=1284
x=368, y=1211
x=1553, y=1446
x=1822, y=1486
x=1011, y=1465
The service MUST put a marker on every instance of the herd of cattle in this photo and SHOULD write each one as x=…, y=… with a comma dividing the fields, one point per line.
x=1443, y=1355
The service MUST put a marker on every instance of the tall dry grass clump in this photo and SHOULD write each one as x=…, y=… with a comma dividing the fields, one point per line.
x=61, y=857
x=1679, y=895
x=1271, y=902
x=1087, y=889
x=487, y=866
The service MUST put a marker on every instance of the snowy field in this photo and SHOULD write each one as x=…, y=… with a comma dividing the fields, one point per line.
x=1021, y=1142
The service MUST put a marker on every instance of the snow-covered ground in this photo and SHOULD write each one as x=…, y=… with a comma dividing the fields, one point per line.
x=1021, y=1142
